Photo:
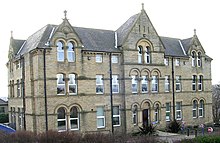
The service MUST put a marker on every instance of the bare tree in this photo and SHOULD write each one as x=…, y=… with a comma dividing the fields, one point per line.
x=216, y=102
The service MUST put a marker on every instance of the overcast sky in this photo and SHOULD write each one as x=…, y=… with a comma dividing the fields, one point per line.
x=171, y=18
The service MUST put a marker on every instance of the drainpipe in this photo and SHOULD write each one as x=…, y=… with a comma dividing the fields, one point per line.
x=173, y=91
x=111, y=101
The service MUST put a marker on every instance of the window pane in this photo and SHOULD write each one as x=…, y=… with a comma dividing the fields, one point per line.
x=74, y=123
x=116, y=110
x=71, y=56
x=60, y=89
x=73, y=112
x=100, y=111
x=100, y=122
x=116, y=121
x=114, y=59
x=99, y=58
x=62, y=125
x=61, y=113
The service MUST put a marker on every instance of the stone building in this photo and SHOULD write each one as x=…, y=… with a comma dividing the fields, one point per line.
x=154, y=79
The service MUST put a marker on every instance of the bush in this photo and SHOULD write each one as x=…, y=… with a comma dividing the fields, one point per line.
x=174, y=127
x=202, y=139
x=146, y=130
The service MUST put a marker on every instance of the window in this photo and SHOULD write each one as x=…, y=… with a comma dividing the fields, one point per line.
x=99, y=84
x=70, y=52
x=166, y=61
x=18, y=88
x=60, y=84
x=98, y=58
x=167, y=83
x=17, y=64
x=178, y=83
x=20, y=118
x=154, y=84
x=116, y=116
x=200, y=81
x=194, y=110
x=144, y=84
x=201, y=108
x=2, y=110
x=156, y=113
x=178, y=62
x=199, y=61
x=61, y=119
x=60, y=51
x=193, y=58
x=114, y=59
x=115, y=84
x=140, y=50
x=74, y=118
x=178, y=111
x=134, y=84
x=134, y=114
x=167, y=111
x=147, y=55
x=100, y=117
x=194, y=82
x=72, y=84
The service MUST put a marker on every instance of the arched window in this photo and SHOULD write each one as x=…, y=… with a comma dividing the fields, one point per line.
x=61, y=119
x=140, y=51
x=70, y=52
x=61, y=90
x=135, y=114
x=201, y=108
x=74, y=118
x=134, y=84
x=194, y=82
x=144, y=84
x=156, y=113
x=60, y=51
x=72, y=84
x=154, y=83
x=194, y=108
x=199, y=61
x=200, y=83
x=147, y=55
x=193, y=58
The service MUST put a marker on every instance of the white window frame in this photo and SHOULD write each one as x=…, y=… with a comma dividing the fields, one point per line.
x=147, y=55
x=135, y=83
x=72, y=82
x=200, y=83
x=140, y=52
x=166, y=61
x=144, y=82
x=62, y=120
x=156, y=113
x=18, y=88
x=167, y=83
x=116, y=116
x=74, y=118
x=178, y=83
x=61, y=77
x=178, y=111
x=194, y=109
x=60, y=51
x=115, y=83
x=154, y=84
x=70, y=51
x=199, y=60
x=193, y=59
x=194, y=78
x=114, y=59
x=100, y=117
x=177, y=61
x=201, y=109
x=98, y=58
x=100, y=84
x=135, y=115
x=168, y=111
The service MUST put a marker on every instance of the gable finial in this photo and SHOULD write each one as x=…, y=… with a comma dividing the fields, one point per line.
x=194, y=31
x=142, y=6
x=11, y=34
x=65, y=12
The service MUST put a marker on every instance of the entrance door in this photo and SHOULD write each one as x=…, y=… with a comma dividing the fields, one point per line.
x=145, y=116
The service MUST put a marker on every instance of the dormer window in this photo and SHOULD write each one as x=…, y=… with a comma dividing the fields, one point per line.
x=199, y=61
x=147, y=55
x=193, y=58
x=70, y=52
x=140, y=48
x=60, y=51
x=144, y=52
x=65, y=51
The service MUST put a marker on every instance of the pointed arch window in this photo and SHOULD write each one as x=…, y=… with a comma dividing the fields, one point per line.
x=70, y=52
x=61, y=119
x=194, y=82
x=135, y=114
x=154, y=83
x=147, y=55
x=156, y=113
x=201, y=108
x=74, y=118
x=200, y=83
x=193, y=59
x=60, y=51
x=199, y=61
x=194, y=110
x=134, y=84
x=140, y=51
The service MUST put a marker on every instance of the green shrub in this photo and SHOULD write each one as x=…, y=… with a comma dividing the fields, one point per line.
x=146, y=130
